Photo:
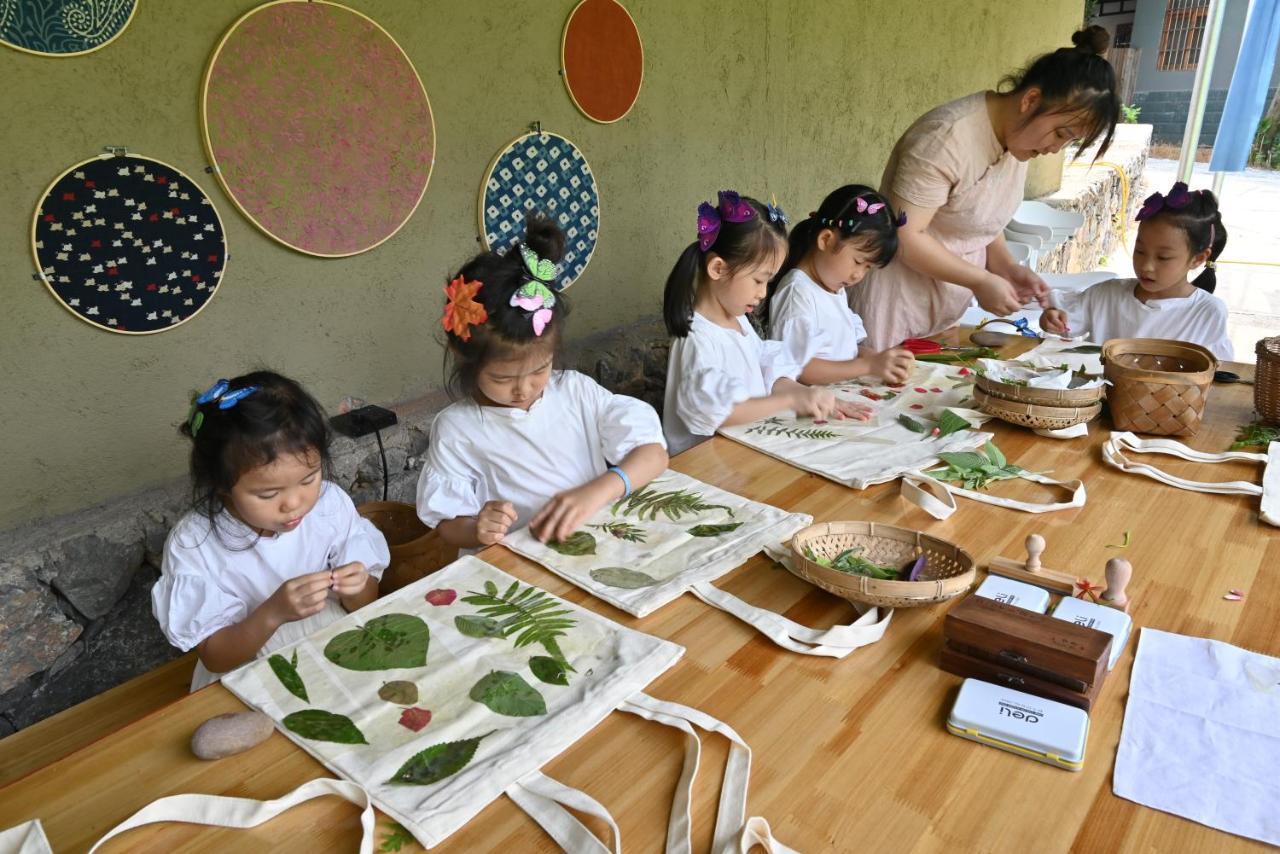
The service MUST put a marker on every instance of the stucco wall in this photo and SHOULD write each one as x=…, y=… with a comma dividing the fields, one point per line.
x=789, y=98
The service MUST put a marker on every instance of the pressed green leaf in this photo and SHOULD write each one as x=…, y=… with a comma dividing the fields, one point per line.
x=319, y=725
x=287, y=673
x=548, y=670
x=622, y=531
x=714, y=530
x=478, y=627
x=383, y=643
x=620, y=576
x=437, y=762
x=508, y=694
x=396, y=838
x=963, y=459
x=399, y=692
x=1084, y=348
x=995, y=455
x=911, y=424
x=579, y=543
x=673, y=504
x=530, y=614
x=949, y=422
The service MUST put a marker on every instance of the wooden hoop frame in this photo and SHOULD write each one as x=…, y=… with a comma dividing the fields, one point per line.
x=488, y=173
x=564, y=71
x=35, y=253
x=119, y=33
x=213, y=162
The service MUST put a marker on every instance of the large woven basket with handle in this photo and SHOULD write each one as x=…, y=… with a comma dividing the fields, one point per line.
x=1266, y=384
x=948, y=572
x=1157, y=386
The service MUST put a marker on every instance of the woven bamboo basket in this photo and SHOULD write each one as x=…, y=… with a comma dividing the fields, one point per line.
x=1036, y=417
x=949, y=570
x=1266, y=384
x=416, y=550
x=1059, y=397
x=1157, y=386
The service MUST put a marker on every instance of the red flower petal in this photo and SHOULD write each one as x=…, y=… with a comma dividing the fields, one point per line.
x=920, y=390
x=964, y=372
x=439, y=597
x=415, y=718
x=917, y=406
x=936, y=390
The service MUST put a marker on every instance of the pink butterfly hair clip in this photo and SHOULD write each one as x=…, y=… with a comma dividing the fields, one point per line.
x=731, y=209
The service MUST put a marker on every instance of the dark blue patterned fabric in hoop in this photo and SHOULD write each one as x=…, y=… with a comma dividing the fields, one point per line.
x=63, y=27
x=129, y=244
x=543, y=172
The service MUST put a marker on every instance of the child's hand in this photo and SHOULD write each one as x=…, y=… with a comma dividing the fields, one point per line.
x=856, y=411
x=350, y=578
x=493, y=521
x=566, y=512
x=893, y=365
x=299, y=598
x=1054, y=321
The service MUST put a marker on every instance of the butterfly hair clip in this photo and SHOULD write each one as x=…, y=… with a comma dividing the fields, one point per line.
x=731, y=209
x=220, y=393
x=1179, y=197
x=776, y=213
x=536, y=295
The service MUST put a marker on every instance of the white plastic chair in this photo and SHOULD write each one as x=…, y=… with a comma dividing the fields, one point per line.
x=1060, y=223
x=1021, y=252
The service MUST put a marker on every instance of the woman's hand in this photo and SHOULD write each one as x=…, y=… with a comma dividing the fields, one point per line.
x=566, y=512
x=1029, y=285
x=1054, y=321
x=997, y=295
x=893, y=365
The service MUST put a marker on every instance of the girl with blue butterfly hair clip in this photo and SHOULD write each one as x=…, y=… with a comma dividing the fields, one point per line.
x=525, y=443
x=271, y=551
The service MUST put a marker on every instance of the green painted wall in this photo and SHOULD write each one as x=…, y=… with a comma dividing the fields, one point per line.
x=779, y=96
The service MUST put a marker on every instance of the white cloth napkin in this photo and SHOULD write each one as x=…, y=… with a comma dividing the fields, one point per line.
x=1201, y=736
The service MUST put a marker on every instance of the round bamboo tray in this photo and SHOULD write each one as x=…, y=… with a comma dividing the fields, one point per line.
x=1157, y=386
x=1035, y=417
x=1069, y=397
x=1266, y=383
x=949, y=570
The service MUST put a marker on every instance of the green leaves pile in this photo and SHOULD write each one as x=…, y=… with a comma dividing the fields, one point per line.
x=975, y=469
x=852, y=562
x=1255, y=435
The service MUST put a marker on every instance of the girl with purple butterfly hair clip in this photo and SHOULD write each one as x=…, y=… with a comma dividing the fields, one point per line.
x=524, y=443
x=1177, y=233
x=851, y=232
x=720, y=373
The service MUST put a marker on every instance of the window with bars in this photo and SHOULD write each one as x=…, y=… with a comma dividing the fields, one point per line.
x=1115, y=7
x=1184, y=22
x=1124, y=35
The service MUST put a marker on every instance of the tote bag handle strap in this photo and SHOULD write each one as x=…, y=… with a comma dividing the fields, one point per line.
x=937, y=498
x=220, y=811
x=1113, y=454
x=835, y=642
x=548, y=802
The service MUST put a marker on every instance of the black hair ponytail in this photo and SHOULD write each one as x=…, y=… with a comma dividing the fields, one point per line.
x=1208, y=279
x=740, y=244
x=839, y=211
x=1201, y=221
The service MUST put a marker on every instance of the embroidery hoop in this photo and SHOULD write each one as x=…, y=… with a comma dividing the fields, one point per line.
x=213, y=160
x=35, y=251
x=564, y=64
x=492, y=246
x=128, y=20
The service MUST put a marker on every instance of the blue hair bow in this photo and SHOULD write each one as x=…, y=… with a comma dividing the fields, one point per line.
x=225, y=399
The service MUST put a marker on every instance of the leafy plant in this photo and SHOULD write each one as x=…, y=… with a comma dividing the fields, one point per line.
x=1255, y=435
x=1129, y=113
x=287, y=673
x=714, y=530
x=792, y=432
x=578, y=544
x=397, y=837
x=622, y=531
x=912, y=424
x=976, y=470
x=852, y=562
x=508, y=694
x=620, y=576
x=529, y=614
x=548, y=670
x=319, y=725
x=949, y=422
x=383, y=643
x=438, y=762
x=673, y=504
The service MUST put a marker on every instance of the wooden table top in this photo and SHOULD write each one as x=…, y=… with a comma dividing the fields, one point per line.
x=846, y=753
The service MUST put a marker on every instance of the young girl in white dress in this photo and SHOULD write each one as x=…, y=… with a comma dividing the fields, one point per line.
x=525, y=443
x=272, y=551
x=1178, y=233
x=853, y=230
x=720, y=373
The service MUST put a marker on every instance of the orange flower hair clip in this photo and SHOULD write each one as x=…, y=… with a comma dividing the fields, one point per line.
x=461, y=311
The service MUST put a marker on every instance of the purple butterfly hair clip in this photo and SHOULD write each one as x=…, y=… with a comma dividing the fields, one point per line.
x=901, y=220
x=1179, y=197
x=731, y=209
x=869, y=208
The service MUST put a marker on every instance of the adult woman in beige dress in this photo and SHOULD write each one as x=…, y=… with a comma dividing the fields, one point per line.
x=958, y=174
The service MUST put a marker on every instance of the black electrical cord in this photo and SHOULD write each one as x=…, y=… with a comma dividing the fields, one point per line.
x=383, y=451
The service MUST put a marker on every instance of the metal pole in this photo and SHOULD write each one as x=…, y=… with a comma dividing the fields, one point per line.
x=1218, y=178
x=1200, y=88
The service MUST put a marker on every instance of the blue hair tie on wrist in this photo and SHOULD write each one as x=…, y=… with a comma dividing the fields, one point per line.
x=626, y=481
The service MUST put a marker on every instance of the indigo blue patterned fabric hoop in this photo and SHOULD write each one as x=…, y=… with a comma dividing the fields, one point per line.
x=128, y=244
x=63, y=27
x=543, y=172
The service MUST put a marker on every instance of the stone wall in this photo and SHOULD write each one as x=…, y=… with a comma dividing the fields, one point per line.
x=1108, y=193
x=1167, y=112
x=75, y=592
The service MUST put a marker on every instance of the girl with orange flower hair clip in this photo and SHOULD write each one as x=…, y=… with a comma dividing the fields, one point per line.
x=524, y=443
